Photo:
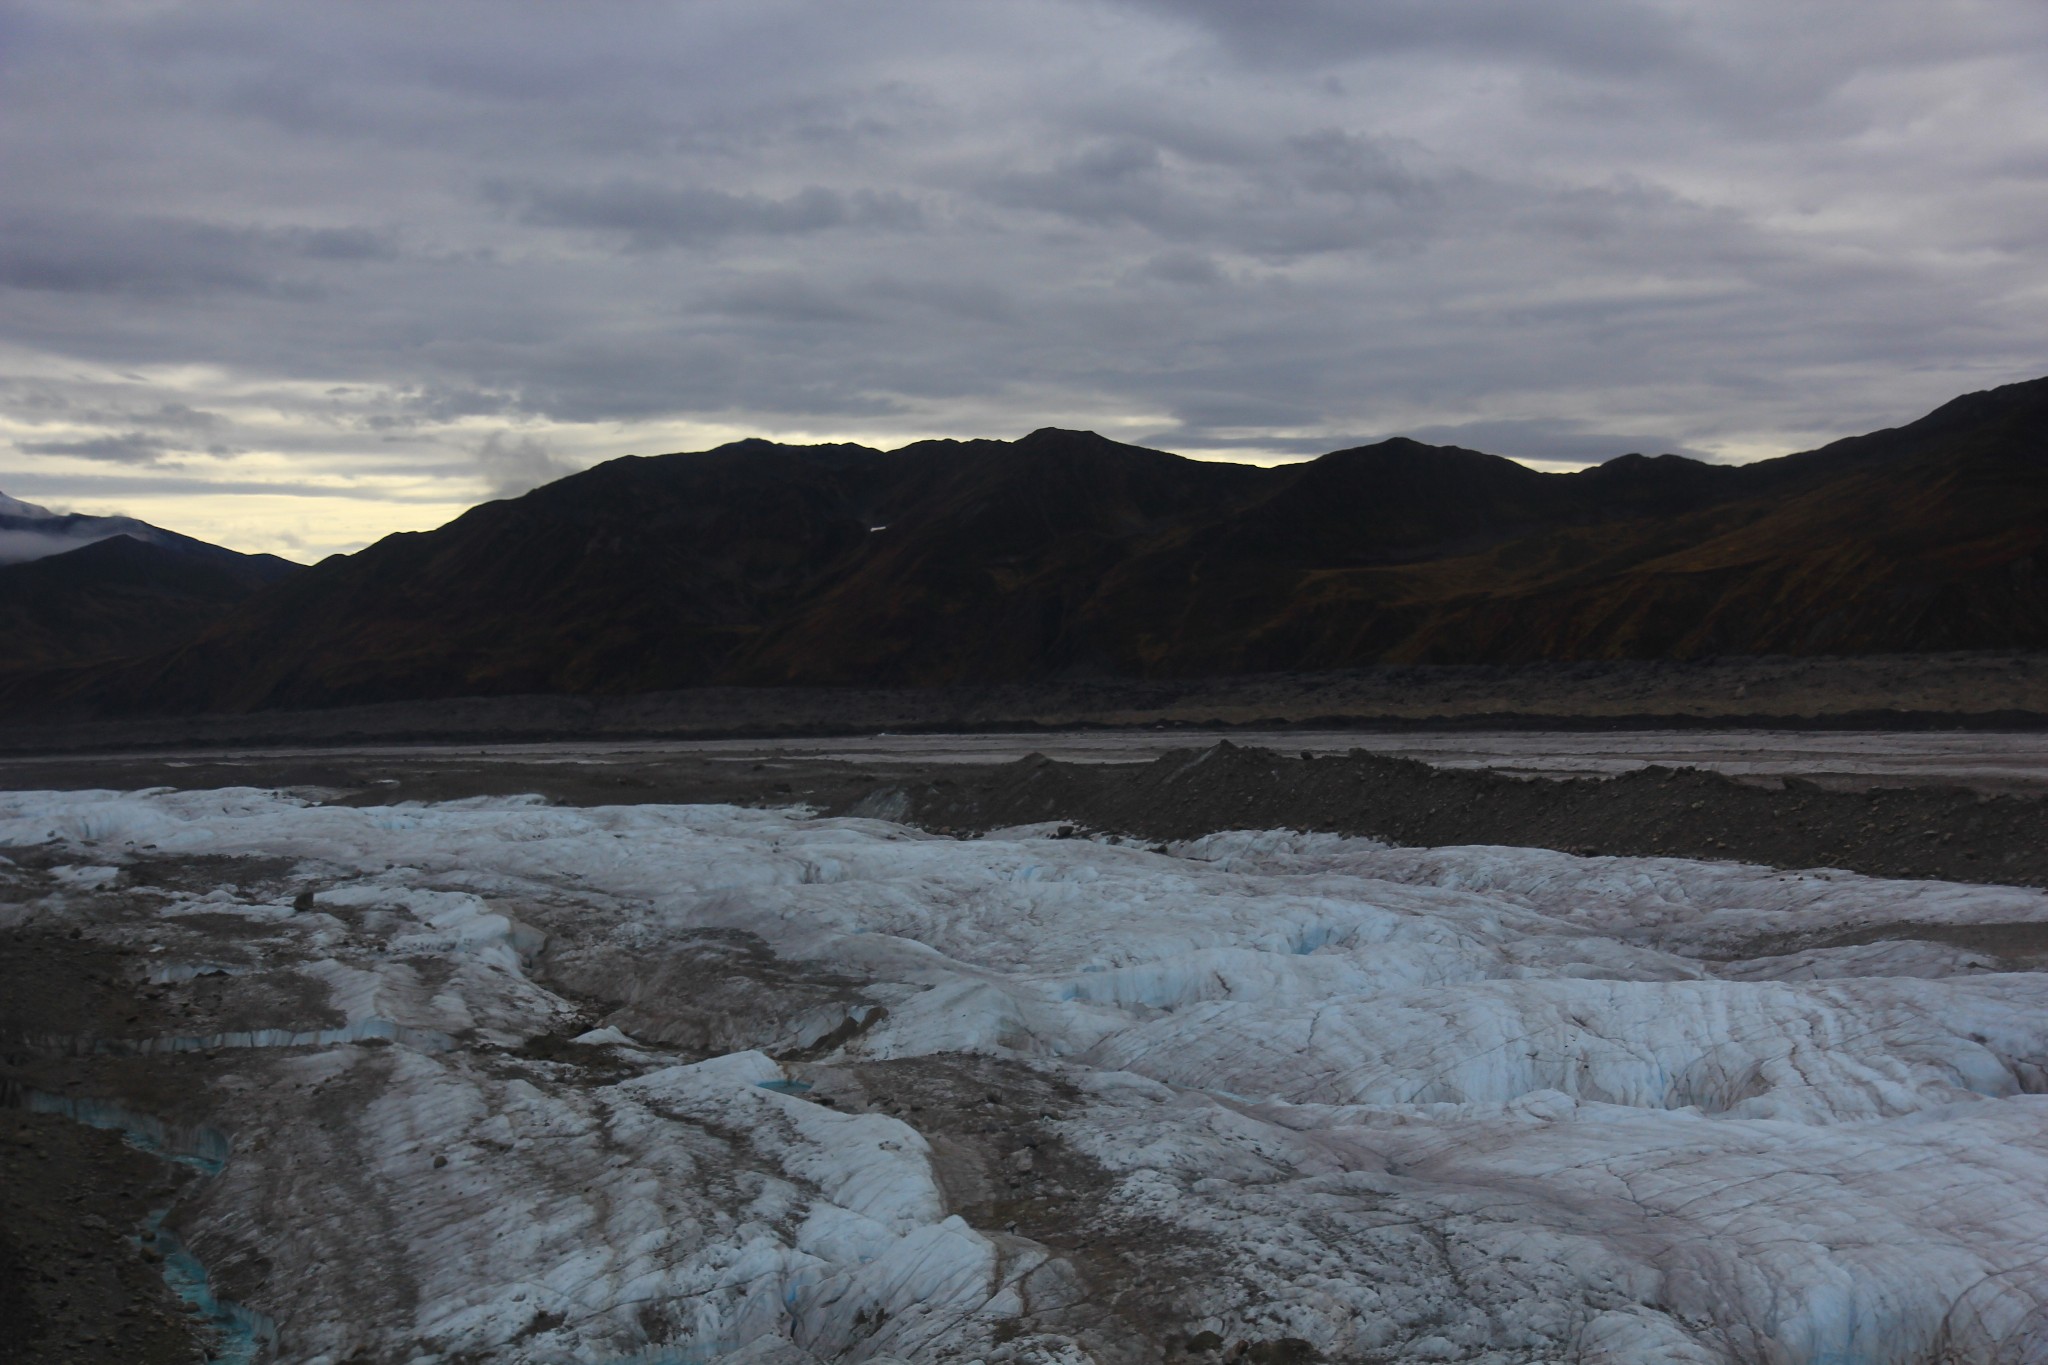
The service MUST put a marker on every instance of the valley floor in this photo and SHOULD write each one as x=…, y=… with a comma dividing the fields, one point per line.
x=1960, y=805
x=1978, y=690
x=773, y=1056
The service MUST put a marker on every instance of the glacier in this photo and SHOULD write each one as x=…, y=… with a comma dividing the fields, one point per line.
x=839, y=1089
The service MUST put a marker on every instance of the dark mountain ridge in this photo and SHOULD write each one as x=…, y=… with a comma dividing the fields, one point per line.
x=86, y=593
x=29, y=533
x=1064, y=554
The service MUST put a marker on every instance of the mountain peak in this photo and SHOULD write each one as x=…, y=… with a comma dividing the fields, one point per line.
x=27, y=511
x=1065, y=554
x=1047, y=436
x=1635, y=464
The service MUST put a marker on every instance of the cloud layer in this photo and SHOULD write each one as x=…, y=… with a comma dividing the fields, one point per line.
x=374, y=261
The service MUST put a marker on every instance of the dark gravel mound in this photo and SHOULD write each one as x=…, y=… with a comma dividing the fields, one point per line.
x=1944, y=833
x=1951, y=833
x=75, y=1283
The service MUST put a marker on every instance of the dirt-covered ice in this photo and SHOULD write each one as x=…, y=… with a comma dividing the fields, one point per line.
x=501, y=1081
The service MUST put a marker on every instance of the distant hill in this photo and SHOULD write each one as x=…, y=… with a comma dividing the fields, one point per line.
x=29, y=532
x=1066, y=555
x=78, y=589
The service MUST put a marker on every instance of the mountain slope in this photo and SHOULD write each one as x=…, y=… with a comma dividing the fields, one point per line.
x=639, y=573
x=1927, y=537
x=120, y=596
x=29, y=532
x=1064, y=554
x=990, y=556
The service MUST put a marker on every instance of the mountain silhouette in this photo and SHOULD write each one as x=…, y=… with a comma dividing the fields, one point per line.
x=80, y=588
x=1064, y=554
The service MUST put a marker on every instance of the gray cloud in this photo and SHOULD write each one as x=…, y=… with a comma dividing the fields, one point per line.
x=162, y=417
x=129, y=447
x=138, y=256
x=1180, y=266
x=788, y=299
x=648, y=217
x=1599, y=36
x=100, y=486
x=469, y=250
x=335, y=243
x=131, y=433
x=1325, y=190
x=160, y=256
x=42, y=404
x=1746, y=65
x=513, y=464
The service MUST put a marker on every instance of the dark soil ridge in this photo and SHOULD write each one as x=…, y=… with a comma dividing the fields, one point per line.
x=1882, y=829
x=1945, y=833
x=76, y=1282
x=39, y=742
x=1958, y=690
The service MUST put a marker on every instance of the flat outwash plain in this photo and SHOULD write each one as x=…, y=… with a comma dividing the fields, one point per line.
x=1619, y=1047
x=1997, y=691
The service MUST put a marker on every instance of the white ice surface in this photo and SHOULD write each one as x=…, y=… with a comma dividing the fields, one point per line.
x=1449, y=1104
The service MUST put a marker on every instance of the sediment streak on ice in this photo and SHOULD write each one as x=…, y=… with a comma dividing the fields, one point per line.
x=1450, y=1104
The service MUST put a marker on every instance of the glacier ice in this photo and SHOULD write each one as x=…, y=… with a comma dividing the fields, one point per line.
x=1480, y=1104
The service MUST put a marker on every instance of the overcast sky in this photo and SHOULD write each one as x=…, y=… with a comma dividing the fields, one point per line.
x=293, y=275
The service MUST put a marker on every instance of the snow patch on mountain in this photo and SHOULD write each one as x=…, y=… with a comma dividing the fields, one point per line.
x=27, y=511
x=29, y=532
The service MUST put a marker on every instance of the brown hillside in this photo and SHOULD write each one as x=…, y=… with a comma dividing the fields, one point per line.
x=1066, y=555
x=121, y=597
